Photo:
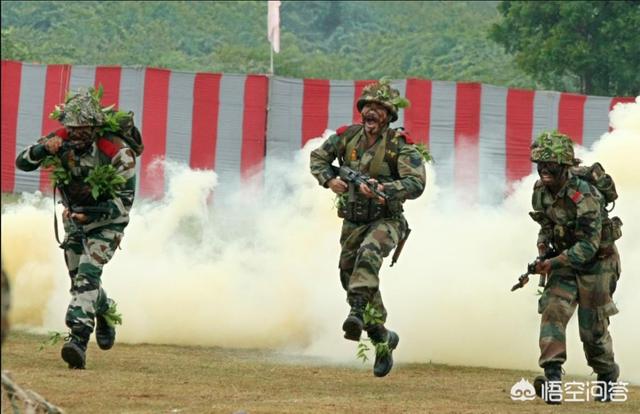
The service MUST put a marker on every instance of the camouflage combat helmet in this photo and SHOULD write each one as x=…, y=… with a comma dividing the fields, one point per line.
x=79, y=109
x=381, y=92
x=553, y=147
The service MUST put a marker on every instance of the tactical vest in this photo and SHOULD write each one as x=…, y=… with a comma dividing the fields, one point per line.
x=359, y=209
x=564, y=233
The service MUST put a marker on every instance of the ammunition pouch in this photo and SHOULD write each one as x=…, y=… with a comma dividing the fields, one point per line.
x=611, y=231
x=363, y=210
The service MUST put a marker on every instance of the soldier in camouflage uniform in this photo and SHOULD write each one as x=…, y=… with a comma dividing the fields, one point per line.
x=573, y=219
x=372, y=227
x=94, y=226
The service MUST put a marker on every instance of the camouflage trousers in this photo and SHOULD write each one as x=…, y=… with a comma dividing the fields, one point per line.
x=85, y=261
x=363, y=248
x=591, y=293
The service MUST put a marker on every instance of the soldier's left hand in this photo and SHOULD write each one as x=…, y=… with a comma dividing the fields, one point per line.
x=80, y=217
x=543, y=267
x=366, y=191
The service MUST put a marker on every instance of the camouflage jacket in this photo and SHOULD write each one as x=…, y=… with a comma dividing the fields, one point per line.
x=572, y=221
x=402, y=173
x=105, y=150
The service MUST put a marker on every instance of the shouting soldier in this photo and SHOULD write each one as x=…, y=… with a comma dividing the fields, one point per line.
x=373, y=225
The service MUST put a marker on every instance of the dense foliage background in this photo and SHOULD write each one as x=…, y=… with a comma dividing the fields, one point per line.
x=319, y=39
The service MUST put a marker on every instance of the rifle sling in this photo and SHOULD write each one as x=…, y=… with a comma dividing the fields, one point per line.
x=55, y=220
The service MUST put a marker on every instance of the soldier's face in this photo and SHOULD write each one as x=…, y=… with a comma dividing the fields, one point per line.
x=551, y=173
x=81, y=137
x=374, y=117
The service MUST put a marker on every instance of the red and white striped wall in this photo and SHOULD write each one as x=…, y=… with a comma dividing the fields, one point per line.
x=478, y=134
x=205, y=120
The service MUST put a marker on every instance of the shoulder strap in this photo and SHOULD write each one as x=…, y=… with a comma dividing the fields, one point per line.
x=391, y=152
x=378, y=157
x=348, y=133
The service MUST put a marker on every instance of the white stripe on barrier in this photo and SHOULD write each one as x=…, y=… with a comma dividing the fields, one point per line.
x=441, y=130
x=492, y=160
x=29, y=126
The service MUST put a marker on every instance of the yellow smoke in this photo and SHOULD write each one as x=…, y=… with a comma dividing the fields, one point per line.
x=258, y=268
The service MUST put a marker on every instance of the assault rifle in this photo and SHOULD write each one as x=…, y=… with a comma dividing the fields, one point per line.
x=76, y=228
x=531, y=269
x=354, y=177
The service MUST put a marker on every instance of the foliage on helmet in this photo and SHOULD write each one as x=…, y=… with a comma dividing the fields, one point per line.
x=81, y=108
x=381, y=92
x=553, y=147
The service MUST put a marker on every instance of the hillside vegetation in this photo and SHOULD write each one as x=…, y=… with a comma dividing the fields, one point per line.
x=319, y=39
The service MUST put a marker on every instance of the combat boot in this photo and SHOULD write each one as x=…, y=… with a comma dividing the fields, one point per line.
x=608, y=379
x=105, y=333
x=74, y=352
x=385, y=342
x=552, y=373
x=354, y=324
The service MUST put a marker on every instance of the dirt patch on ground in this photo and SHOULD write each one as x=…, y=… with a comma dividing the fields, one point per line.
x=176, y=379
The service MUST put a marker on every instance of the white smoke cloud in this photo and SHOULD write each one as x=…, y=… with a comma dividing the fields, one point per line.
x=258, y=268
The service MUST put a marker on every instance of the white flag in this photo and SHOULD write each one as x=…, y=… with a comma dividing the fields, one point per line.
x=273, y=25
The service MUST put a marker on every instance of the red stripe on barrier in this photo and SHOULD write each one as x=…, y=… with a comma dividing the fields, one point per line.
x=417, y=117
x=571, y=116
x=466, y=135
x=315, y=108
x=11, y=77
x=518, y=133
x=254, y=124
x=56, y=87
x=109, y=78
x=154, y=129
x=358, y=87
x=204, y=127
x=617, y=100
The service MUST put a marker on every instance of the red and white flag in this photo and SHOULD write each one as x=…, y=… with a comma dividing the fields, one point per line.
x=273, y=25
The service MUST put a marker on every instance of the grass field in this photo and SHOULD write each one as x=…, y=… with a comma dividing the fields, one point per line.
x=176, y=379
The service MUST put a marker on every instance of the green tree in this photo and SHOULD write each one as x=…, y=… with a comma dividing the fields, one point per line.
x=590, y=46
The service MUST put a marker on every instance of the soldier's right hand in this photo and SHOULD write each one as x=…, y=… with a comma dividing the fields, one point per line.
x=337, y=185
x=542, y=249
x=52, y=145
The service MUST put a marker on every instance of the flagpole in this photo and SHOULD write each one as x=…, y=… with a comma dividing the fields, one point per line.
x=271, y=67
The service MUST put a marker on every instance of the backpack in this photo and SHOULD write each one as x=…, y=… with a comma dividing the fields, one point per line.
x=122, y=126
x=596, y=176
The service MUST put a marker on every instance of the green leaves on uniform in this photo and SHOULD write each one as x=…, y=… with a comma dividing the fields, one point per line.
x=57, y=112
x=341, y=201
x=53, y=339
x=59, y=175
x=362, y=350
x=112, y=316
x=104, y=181
x=424, y=151
x=113, y=120
x=400, y=102
x=372, y=315
x=382, y=349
